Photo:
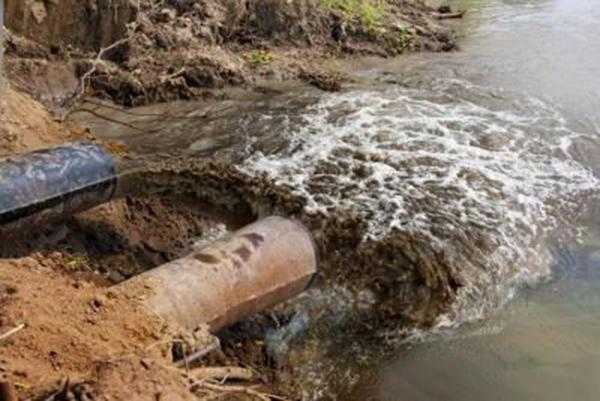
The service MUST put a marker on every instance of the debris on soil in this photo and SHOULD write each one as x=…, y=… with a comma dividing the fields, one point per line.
x=165, y=51
x=223, y=373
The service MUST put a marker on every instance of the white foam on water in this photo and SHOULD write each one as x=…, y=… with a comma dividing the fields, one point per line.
x=445, y=160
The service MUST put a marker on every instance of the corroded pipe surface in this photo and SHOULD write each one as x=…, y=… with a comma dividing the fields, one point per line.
x=257, y=267
x=39, y=186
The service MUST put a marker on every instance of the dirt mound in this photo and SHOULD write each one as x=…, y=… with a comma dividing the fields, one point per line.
x=26, y=125
x=59, y=319
x=70, y=323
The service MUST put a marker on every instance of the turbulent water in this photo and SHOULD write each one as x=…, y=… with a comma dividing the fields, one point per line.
x=444, y=158
x=477, y=157
x=497, y=145
x=484, y=162
x=543, y=346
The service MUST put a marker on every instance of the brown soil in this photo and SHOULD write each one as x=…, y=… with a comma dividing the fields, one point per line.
x=75, y=328
x=56, y=280
x=26, y=125
x=78, y=339
x=184, y=49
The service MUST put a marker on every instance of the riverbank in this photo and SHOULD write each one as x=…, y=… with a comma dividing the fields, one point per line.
x=184, y=49
x=74, y=338
x=66, y=335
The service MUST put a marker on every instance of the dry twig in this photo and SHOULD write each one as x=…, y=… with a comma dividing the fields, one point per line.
x=198, y=354
x=237, y=389
x=223, y=373
x=12, y=331
x=98, y=60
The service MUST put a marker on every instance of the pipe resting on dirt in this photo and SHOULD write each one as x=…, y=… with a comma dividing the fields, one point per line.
x=48, y=184
x=257, y=267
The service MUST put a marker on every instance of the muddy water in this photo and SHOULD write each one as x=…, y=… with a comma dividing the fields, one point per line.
x=543, y=347
x=464, y=175
x=544, y=344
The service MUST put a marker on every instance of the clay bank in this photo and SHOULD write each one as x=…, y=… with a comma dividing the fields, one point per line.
x=152, y=51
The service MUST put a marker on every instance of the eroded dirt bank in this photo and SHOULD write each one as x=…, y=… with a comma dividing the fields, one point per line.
x=77, y=340
x=65, y=334
x=171, y=50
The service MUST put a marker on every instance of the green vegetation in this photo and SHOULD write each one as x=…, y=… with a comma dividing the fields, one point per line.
x=77, y=262
x=260, y=57
x=369, y=12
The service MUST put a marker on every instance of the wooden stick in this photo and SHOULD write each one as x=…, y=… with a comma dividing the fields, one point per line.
x=459, y=14
x=222, y=373
x=198, y=354
x=239, y=389
x=12, y=331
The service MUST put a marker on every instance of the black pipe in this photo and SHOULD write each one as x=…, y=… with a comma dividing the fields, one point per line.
x=50, y=184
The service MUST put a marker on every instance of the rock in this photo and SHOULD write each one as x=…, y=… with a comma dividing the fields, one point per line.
x=166, y=15
x=323, y=80
x=338, y=33
x=38, y=11
x=444, y=9
x=163, y=41
x=206, y=33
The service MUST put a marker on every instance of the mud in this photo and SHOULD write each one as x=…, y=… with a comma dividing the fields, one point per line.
x=166, y=51
x=80, y=341
x=413, y=297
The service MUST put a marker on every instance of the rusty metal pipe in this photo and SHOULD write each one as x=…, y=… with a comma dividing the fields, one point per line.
x=257, y=267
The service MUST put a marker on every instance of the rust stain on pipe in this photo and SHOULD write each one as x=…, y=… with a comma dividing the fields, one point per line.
x=257, y=267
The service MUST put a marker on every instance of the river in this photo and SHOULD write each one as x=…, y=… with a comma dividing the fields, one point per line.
x=483, y=163
x=544, y=344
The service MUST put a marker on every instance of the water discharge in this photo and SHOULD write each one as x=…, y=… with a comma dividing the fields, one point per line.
x=447, y=160
x=466, y=174
x=497, y=144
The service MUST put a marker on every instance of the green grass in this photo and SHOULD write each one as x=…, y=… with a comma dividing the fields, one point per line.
x=369, y=12
x=260, y=57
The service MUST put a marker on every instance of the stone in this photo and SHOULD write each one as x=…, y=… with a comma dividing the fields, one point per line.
x=38, y=10
x=167, y=15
